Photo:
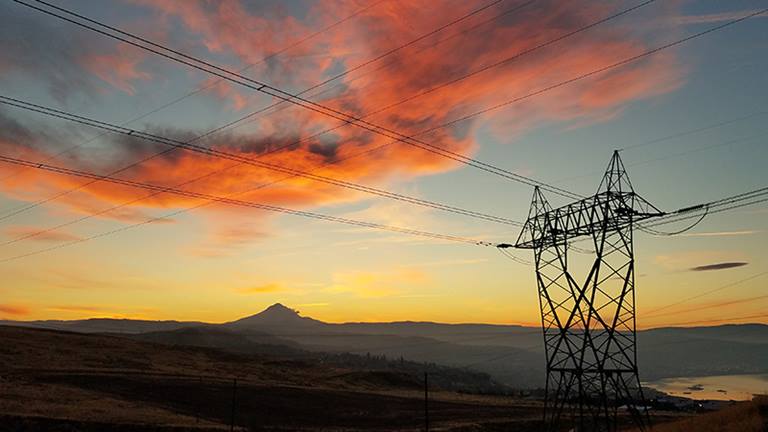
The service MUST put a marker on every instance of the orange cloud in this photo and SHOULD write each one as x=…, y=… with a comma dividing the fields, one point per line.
x=248, y=32
x=15, y=310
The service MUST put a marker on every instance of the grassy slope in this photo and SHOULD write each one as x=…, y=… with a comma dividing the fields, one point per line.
x=54, y=380
x=112, y=380
x=741, y=417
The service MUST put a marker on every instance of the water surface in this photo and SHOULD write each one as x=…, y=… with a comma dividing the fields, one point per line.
x=720, y=387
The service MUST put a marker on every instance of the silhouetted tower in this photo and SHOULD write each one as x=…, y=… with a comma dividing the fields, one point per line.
x=589, y=322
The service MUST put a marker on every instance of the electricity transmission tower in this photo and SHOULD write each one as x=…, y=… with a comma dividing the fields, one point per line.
x=589, y=322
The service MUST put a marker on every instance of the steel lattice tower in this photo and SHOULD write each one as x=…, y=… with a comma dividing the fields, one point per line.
x=589, y=324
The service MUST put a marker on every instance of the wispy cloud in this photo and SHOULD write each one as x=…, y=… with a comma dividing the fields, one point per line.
x=224, y=240
x=720, y=233
x=394, y=213
x=262, y=289
x=452, y=262
x=98, y=310
x=313, y=304
x=77, y=308
x=39, y=234
x=713, y=18
x=69, y=279
x=688, y=260
x=80, y=278
x=119, y=68
x=65, y=63
x=14, y=310
x=718, y=266
x=415, y=296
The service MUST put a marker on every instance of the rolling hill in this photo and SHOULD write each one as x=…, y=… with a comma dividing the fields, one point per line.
x=512, y=354
x=57, y=380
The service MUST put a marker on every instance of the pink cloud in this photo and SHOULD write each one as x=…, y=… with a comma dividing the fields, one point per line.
x=234, y=29
x=120, y=68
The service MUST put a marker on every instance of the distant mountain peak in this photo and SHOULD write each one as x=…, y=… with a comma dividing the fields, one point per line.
x=277, y=315
x=279, y=309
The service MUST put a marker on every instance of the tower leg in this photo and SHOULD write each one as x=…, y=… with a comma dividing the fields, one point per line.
x=589, y=335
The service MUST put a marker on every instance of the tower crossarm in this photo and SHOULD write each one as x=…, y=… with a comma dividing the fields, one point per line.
x=609, y=209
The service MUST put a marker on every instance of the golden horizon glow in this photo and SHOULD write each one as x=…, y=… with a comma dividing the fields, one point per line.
x=107, y=250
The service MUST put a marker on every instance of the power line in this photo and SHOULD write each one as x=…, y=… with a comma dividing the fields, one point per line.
x=696, y=130
x=700, y=211
x=174, y=213
x=432, y=45
x=173, y=144
x=684, y=153
x=588, y=342
x=224, y=200
x=636, y=57
x=729, y=203
x=625, y=61
x=664, y=221
x=514, y=176
x=732, y=202
x=524, y=52
x=674, y=233
x=239, y=122
x=712, y=306
x=265, y=88
x=503, y=249
x=418, y=39
x=370, y=61
x=178, y=212
x=718, y=320
x=219, y=129
x=203, y=88
x=706, y=293
x=611, y=66
x=508, y=59
x=228, y=125
x=504, y=61
x=704, y=148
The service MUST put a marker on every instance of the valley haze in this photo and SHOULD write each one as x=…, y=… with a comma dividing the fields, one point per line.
x=511, y=354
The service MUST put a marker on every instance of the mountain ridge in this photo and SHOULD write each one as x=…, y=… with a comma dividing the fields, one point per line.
x=279, y=314
x=512, y=354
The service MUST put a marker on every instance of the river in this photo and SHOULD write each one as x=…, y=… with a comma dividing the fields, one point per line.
x=720, y=387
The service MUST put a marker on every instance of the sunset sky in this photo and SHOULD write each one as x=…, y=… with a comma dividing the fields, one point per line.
x=218, y=263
